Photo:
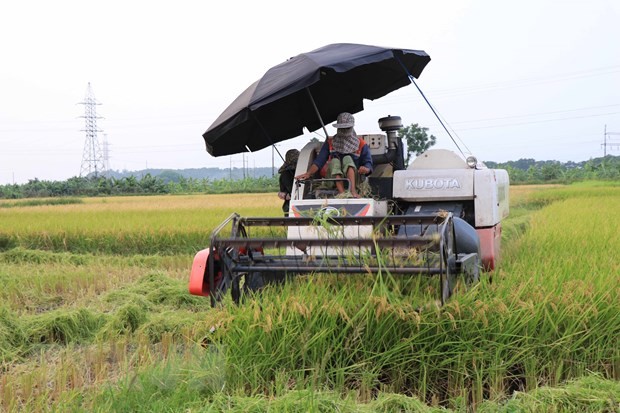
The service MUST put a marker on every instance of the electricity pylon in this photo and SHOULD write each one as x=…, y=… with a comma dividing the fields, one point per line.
x=92, y=156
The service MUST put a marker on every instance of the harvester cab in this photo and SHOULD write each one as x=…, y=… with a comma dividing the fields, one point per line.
x=440, y=216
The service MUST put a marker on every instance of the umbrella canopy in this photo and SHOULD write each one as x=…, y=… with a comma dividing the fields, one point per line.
x=333, y=79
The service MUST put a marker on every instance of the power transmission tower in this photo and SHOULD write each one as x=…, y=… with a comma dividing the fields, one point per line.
x=92, y=156
x=607, y=142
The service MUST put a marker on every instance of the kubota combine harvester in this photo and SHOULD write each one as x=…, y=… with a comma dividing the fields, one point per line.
x=440, y=216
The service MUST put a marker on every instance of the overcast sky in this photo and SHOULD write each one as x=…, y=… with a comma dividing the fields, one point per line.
x=529, y=79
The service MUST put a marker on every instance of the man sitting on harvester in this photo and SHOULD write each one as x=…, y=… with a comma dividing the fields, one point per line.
x=344, y=154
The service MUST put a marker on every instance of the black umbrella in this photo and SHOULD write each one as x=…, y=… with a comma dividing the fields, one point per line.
x=310, y=89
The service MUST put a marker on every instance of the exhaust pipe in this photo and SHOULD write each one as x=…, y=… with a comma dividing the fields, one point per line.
x=390, y=125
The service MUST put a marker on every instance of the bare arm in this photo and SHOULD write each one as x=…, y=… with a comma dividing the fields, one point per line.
x=313, y=169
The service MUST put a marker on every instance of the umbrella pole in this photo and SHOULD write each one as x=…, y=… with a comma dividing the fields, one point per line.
x=317, y=112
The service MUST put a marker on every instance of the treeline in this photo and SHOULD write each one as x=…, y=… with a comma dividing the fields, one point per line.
x=146, y=185
x=523, y=171
x=529, y=171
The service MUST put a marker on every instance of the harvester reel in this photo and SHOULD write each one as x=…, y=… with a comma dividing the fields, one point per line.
x=245, y=264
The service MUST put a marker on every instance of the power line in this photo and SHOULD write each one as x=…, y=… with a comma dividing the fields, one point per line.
x=539, y=121
x=528, y=81
x=506, y=84
x=556, y=112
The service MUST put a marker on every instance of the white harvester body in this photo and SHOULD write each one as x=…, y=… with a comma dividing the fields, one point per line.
x=436, y=180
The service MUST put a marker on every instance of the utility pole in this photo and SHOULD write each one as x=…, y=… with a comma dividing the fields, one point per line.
x=243, y=163
x=274, y=149
x=92, y=159
x=606, y=141
x=106, y=153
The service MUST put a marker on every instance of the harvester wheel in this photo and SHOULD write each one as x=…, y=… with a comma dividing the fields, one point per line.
x=254, y=282
x=235, y=290
x=470, y=271
x=448, y=279
x=473, y=277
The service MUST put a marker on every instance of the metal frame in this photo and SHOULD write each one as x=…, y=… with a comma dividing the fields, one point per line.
x=240, y=254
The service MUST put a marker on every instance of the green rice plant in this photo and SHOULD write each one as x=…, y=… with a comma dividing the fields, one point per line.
x=196, y=383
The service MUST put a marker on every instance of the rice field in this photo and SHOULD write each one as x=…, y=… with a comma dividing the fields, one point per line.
x=95, y=316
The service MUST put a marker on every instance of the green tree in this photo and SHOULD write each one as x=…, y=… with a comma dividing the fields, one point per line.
x=417, y=138
x=517, y=176
x=551, y=171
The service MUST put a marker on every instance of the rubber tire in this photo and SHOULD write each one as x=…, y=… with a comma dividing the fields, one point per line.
x=254, y=282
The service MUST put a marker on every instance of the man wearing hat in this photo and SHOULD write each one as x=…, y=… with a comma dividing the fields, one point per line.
x=287, y=173
x=345, y=155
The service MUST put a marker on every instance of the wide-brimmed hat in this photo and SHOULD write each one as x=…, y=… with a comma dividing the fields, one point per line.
x=345, y=120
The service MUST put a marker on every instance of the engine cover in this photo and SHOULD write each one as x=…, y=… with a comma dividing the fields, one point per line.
x=434, y=185
x=440, y=175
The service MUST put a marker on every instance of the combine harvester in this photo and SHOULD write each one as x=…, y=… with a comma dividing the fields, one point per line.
x=439, y=217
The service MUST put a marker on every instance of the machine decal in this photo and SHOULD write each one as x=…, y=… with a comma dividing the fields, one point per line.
x=329, y=211
x=432, y=183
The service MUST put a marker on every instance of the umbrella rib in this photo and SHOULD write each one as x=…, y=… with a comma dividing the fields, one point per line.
x=262, y=128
